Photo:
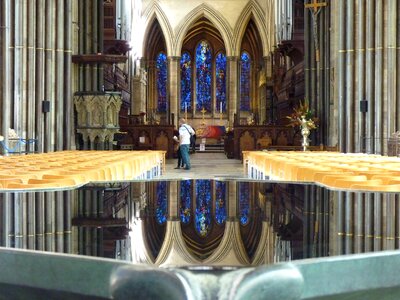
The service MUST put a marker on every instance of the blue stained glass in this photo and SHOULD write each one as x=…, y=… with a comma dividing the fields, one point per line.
x=245, y=62
x=161, y=207
x=220, y=82
x=186, y=82
x=203, y=77
x=220, y=202
x=186, y=200
x=161, y=73
x=244, y=202
x=203, y=207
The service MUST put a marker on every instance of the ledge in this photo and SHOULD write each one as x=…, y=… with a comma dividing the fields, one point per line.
x=98, y=58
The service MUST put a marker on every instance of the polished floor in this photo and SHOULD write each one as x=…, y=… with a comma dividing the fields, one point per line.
x=206, y=166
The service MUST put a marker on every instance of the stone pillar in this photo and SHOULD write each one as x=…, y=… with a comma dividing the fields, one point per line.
x=69, y=201
x=40, y=218
x=139, y=97
x=31, y=221
x=173, y=90
x=151, y=100
x=68, y=127
x=50, y=222
x=174, y=200
x=5, y=71
x=19, y=220
x=59, y=218
x=232, y=87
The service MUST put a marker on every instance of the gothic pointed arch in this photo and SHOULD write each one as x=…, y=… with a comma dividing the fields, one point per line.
x=154, y=41
x=155, y=14
x=204, y=11
x=254, y=12
x=251, y=58
x=201, y=86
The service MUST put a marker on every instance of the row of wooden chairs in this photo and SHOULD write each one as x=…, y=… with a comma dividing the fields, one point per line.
x=68, y=169
x=345, y=171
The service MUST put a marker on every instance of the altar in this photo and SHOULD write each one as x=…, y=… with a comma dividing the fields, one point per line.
x=211, y=132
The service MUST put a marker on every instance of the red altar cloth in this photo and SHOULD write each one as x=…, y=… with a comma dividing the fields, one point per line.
x=212, y=132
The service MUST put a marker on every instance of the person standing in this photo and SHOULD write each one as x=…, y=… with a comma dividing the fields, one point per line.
x=185, y=132
x=177, y=150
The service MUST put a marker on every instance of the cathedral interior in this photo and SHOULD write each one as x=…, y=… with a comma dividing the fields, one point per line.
x=295, y=180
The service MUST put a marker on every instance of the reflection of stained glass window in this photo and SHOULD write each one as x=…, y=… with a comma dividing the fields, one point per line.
x=203, y=206
x=220, y=82
x=161, y=65
x=245, y=62
x=186, y=81
x=203, y=76
x=161, y=207
x=220, y=202
x=244, y=202
x=186, y=200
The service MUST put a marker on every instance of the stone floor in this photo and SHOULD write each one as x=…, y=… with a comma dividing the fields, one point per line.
x=205, y=166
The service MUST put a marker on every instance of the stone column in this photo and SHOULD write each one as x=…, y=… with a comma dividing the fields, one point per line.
x=68, y=128
x=69, y=201
x=49, y=69
x=232, y=87
x=173, y=99
x=359, y=138
x=20, y=220
x=50, y=222
x=39, y=81
x=40, y=218
x=5, y=71
x=31, y=72
x=151, y=100
x=138, y=96
x=59, y=216
x=31, y=221
x=174, y=200
x=59, y=89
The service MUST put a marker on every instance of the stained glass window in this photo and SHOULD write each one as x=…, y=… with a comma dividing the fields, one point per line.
x=161, y=206
x=244, y=202
x=186, y=200
x=203, y=207
x=220, y=201
x=245, y=62
x=161, y=73
x=220, y=82
x=203, y=77
x=186, y=82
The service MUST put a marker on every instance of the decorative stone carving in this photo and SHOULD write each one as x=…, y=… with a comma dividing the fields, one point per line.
x=97, y=118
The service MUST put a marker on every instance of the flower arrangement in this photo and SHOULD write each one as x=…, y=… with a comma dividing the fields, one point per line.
x=303, y=116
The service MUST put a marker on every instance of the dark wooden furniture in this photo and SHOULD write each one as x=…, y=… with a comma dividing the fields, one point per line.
x=259, y=137
x=148, y=137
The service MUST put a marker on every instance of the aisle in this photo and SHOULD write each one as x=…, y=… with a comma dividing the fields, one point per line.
x=205, y=166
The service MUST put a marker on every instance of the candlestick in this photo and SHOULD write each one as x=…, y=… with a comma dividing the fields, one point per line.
x=186, y=111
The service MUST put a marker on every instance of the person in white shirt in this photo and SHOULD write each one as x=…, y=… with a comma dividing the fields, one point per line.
x=185, y=132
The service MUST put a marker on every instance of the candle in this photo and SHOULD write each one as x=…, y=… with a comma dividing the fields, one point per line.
x=185, y=108
x=220, y=107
